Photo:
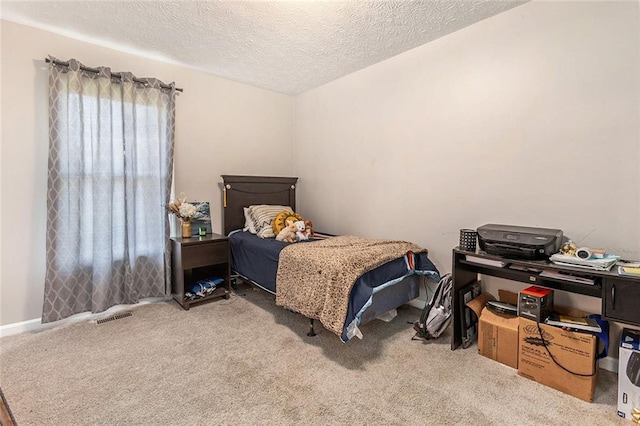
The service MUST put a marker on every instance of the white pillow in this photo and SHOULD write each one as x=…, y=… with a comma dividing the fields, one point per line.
x=266, y=232
x=262, y=215
x=248, y=222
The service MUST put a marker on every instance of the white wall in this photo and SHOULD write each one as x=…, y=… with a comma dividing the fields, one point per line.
x=222, y=127
x=530, y=117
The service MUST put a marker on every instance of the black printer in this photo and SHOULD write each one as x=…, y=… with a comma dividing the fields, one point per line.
x=519, y=242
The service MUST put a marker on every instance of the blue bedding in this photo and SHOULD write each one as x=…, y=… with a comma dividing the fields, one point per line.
x=257, y=259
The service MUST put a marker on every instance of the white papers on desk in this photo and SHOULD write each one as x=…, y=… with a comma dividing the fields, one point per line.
x=485, y=261
x=603, y=264
x=632, y=271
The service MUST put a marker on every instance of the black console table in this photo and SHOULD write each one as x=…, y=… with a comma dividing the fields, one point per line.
x=620, y=294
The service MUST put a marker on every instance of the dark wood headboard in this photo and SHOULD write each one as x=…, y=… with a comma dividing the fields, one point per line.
x=243, y=191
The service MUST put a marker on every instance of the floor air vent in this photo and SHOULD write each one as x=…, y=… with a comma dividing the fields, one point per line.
x=114, y=317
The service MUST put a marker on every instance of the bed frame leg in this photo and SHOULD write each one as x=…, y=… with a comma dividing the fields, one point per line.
x=311, y=332
x=234, y=282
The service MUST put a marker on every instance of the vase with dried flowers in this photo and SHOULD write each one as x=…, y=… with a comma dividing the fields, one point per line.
x=185, y=211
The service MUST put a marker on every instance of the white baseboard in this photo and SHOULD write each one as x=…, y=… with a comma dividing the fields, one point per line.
x=20, y=327
x=36, y=324
x=609, y=364
x=416, y=303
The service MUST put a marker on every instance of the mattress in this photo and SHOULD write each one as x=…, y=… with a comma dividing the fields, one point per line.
x=256, y=259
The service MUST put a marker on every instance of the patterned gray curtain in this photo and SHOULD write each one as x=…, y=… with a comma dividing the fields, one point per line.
x=110, y=168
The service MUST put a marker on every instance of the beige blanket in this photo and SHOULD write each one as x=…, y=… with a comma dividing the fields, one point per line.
x=316, y=278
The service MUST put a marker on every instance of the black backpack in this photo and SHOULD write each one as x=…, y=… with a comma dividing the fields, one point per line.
x=436, y=315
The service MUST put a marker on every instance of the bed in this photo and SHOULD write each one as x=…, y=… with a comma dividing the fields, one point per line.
x=386, y=280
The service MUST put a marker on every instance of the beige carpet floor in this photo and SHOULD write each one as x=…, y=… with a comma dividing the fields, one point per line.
x=245, y=361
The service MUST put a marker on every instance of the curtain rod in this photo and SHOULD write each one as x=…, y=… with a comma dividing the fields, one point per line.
x=116, y=75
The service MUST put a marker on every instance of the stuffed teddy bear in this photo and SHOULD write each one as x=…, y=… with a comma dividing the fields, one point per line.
x=308, y=228
x=305, y=232
x=301, y=233
x=288, y=233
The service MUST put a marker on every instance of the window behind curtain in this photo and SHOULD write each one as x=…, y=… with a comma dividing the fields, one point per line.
x=110, y=162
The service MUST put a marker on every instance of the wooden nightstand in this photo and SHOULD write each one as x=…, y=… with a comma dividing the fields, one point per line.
x=196, y=258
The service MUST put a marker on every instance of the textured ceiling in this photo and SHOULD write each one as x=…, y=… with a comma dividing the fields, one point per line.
x=285, y=46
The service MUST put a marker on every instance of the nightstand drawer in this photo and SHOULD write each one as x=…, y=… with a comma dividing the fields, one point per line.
x=199, y=255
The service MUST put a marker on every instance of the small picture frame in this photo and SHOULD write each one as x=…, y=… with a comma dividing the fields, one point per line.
x=202, y=220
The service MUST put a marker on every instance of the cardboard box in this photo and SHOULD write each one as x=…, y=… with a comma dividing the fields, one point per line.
x=497, y=333
x=629, y=375
x=535, y=303
x=576, y=351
